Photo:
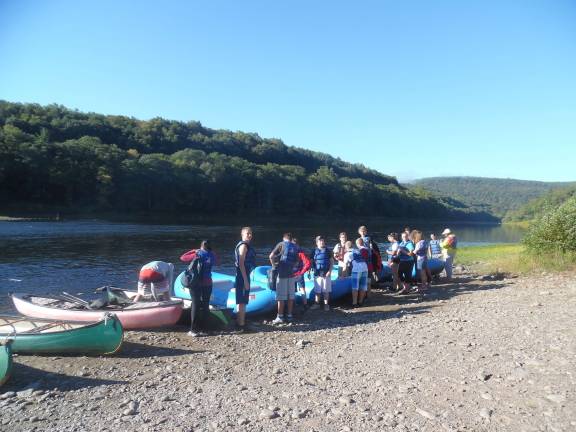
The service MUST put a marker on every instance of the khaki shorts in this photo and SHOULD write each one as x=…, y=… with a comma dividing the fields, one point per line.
x=285, y=289
x=322, y=284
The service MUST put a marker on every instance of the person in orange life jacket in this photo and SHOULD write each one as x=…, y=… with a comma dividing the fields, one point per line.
x=245, y=262
x=421, y=255
x=322, y=263
x=302, y=267
x=285, y=254
x=394, y=260
x=339, y=252
x=201, y=293
x=406, y=255
x=154, y=281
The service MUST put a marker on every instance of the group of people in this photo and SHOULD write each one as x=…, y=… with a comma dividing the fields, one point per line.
x=361, y=260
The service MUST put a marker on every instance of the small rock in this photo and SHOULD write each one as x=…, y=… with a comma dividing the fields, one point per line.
x=267, y=414
x=425, y=414
x=484, y=376
x=556, y=398
x=486, y=396
x=345, y=400
x=485, y=413
x=8, y=395
x=243, y=421
x=302, y=343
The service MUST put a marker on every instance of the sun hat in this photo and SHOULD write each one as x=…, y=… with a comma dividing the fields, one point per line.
x=446, y=231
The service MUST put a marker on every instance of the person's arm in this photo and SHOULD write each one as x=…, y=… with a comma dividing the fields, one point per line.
x=329, y=272
x=243, y=250
x=188, y=256
x=274, y=254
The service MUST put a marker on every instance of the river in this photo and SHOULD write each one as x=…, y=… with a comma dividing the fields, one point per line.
x=78, y=256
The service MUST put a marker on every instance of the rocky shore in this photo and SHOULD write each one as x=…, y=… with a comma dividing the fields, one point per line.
x=480, y=353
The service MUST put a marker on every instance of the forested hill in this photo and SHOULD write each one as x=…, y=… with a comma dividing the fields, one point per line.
x=496, y=196
x=536, y=208
x=54, y=156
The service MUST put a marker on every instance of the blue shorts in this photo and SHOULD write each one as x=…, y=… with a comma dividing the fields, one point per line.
x=359, y=281
x=242, y=294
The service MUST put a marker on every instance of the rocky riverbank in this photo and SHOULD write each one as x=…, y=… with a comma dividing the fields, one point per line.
x=475, y=354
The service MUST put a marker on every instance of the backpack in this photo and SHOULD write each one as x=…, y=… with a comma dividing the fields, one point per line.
x=193, y=274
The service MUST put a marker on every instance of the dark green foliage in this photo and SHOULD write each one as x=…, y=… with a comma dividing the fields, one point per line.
x=50, y=155
x=493, y=195
x=536, y=208
x=555, y=231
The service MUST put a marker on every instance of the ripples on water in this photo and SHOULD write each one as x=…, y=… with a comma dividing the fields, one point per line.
x=43, y=257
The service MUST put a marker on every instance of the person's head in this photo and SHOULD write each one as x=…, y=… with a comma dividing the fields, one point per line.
x=362, y=230
x=320, y=242
x=343, y=238
x=416, y=236
x=287, y=236
x=432, y=236
x=205, y=245
x=405, y=236
x=446, y=232
x=246, y=234
x=359, y=243
x=348, y=245
x=294, y=240
x=407, y=230
x=393, y=237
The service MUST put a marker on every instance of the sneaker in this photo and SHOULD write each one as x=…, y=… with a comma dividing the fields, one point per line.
x=289, y=318
x=315, y=306
x=326, y=307
x=192, y=333
x=278, y=320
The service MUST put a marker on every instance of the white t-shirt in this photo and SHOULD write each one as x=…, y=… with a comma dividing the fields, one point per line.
x=338, y=249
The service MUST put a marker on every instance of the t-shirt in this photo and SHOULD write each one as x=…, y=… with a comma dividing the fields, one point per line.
x=155, y=277
x=392, y=250
x=339, y=254
x=357, y=266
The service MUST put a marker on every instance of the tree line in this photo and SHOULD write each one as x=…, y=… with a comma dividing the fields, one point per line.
x=54, y=156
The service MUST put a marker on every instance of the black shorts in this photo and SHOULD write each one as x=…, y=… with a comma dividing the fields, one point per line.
x=242, y=292
x=405, y=270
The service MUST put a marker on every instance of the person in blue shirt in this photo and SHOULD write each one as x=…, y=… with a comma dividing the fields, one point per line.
x=406, y=265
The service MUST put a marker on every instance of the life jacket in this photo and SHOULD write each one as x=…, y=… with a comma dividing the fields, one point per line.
x=249, y=260
x=321, y=260
x=207, y=263
x=357, y=256
x=288, y=259
x=339, y=254
x=435, y=248
x=368, y=245
x=423, y=251
x=451, y=241
x=404, y=246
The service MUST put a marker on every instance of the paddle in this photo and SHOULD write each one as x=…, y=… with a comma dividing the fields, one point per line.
x=73, y=299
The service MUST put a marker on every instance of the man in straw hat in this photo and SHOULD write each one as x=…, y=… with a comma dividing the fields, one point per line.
x=449, y=245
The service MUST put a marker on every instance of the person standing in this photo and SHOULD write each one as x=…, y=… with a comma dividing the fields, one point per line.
x=394, y=260
x=339, y=252
x=322, y=263
x=302, y=267
x=358, y=257
x=421, y=254
x=449, y=246
x=434, y=248
x=285, y=254
x=374, y=257
x=154, y=281
x=406, y=265
x=202, y=260
x=245, y=262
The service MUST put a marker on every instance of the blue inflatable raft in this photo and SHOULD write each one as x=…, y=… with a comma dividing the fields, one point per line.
x=435, y=265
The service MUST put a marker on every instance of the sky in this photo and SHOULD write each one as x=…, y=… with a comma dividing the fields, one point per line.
x=411, y=88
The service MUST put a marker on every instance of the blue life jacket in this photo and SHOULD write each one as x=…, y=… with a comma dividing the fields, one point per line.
x=288, y=259
x=357, y=256
x=435, y=248
x=424, y=251
x=207, y=259
x=366, y=240
x=249, y=260
x=321, y=260
x=403, y=246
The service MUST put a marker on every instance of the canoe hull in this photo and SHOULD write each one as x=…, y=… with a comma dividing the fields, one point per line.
x=261, y=299
x=5, y=361
x=102, y=337
x=131, y=319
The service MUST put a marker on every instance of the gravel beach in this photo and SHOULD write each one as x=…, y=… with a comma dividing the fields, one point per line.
x=474, y=354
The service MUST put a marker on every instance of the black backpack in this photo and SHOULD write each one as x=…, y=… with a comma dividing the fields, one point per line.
x=193, y=274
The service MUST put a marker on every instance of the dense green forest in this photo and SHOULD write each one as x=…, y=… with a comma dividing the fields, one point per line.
x=496, y=196
x=56, y=157
x=536, y=208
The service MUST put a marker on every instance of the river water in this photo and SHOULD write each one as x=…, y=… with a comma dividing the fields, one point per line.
x=79, y=256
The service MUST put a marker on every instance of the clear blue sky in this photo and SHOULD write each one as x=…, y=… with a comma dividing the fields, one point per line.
x=414, y=89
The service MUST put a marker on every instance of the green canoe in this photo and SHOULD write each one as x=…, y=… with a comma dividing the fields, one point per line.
x=5, y=361
x=42, y=336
